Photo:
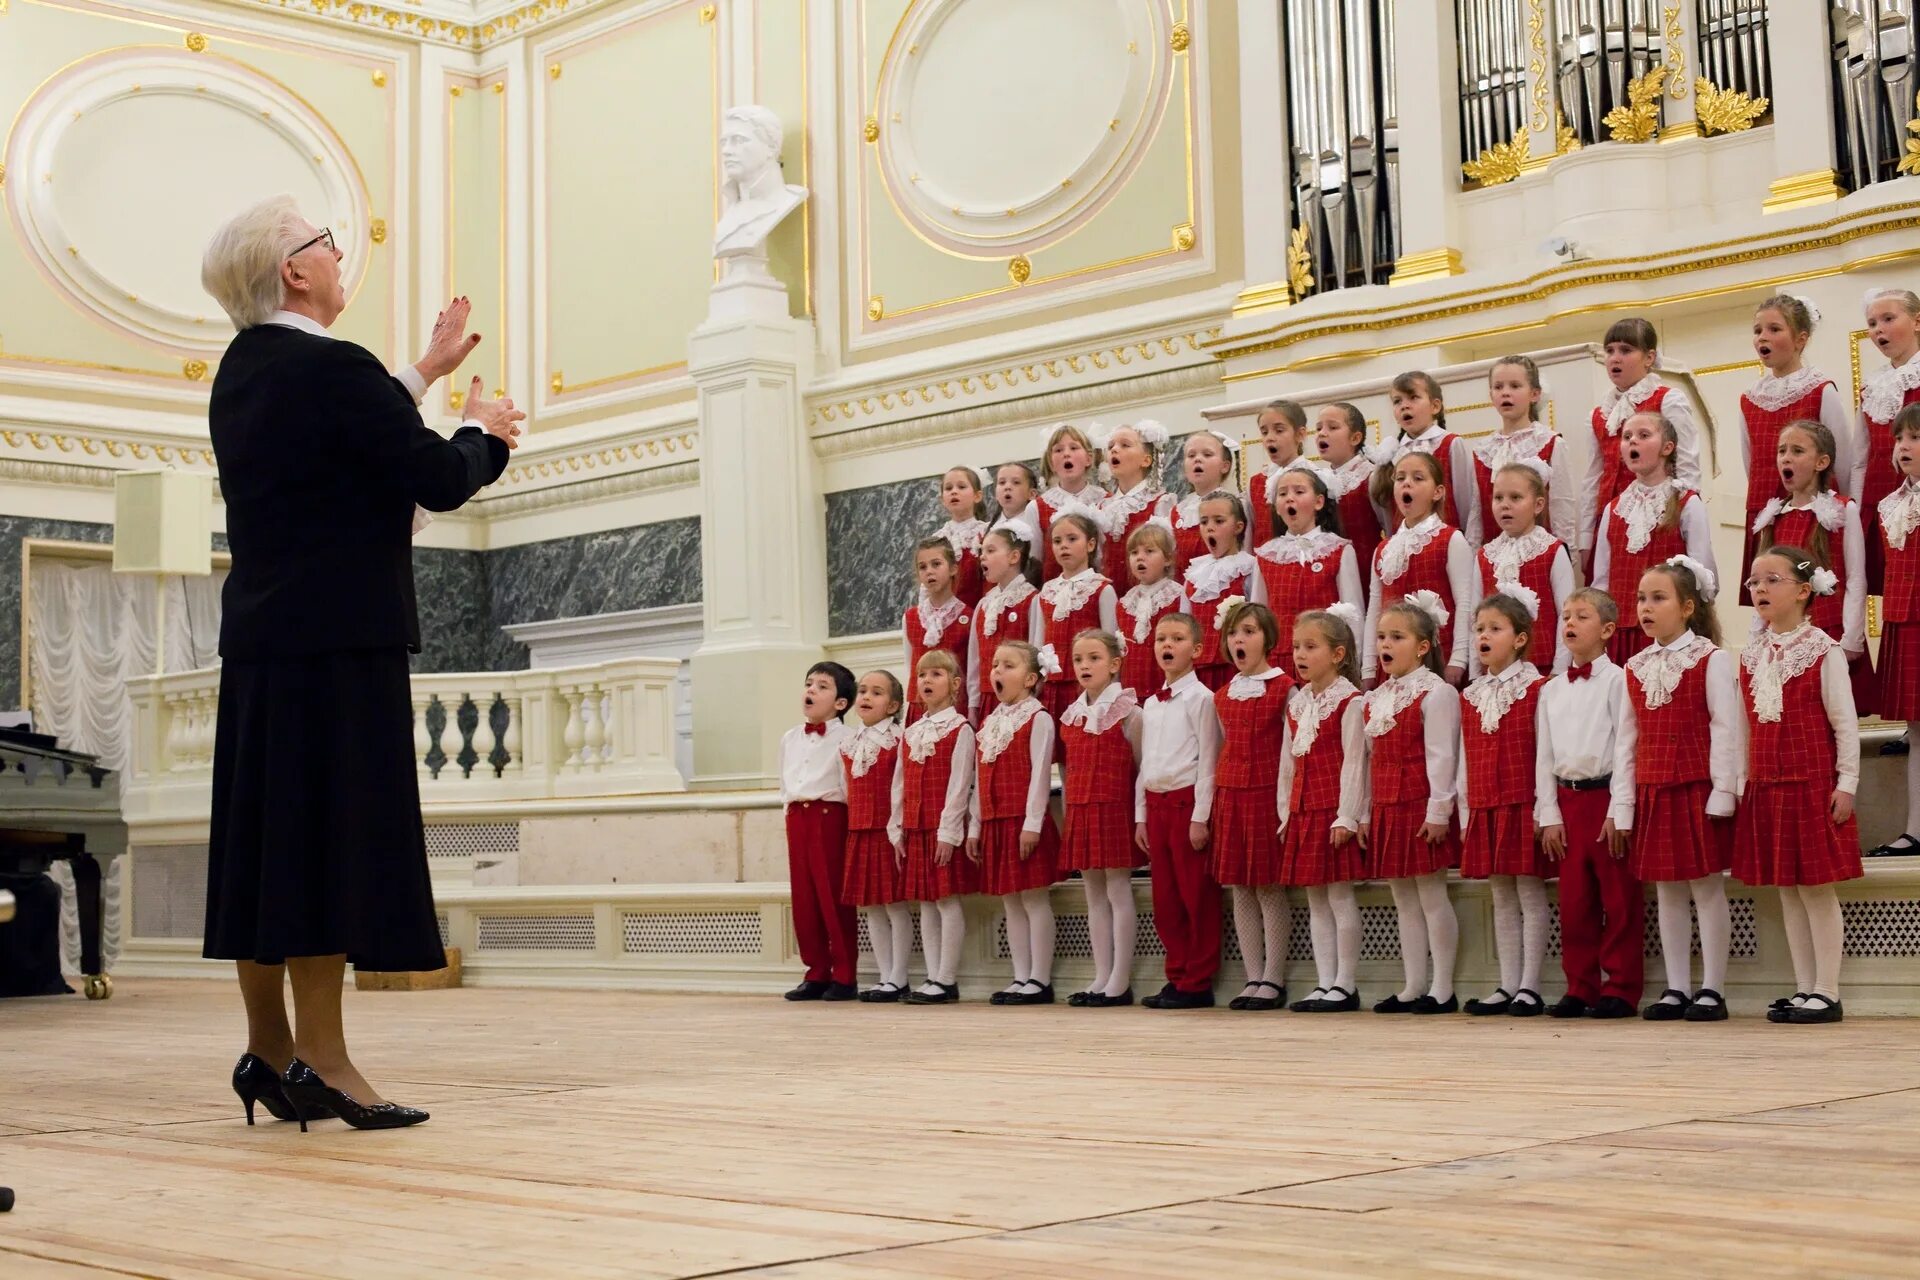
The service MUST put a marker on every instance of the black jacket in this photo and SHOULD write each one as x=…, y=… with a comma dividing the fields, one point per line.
x=322, y=456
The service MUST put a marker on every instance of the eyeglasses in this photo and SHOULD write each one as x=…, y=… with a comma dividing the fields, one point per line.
x=1771, y=580
x=326, y=234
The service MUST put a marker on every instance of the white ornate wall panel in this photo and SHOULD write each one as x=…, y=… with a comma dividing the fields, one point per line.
x=477, y=218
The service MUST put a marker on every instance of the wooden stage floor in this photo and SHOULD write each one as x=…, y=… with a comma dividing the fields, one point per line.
x=590, y=1134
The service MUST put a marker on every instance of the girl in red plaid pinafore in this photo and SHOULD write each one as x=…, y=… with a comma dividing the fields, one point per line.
x=939, y=619
x=1413, y=734
x=1207, y=462
x=1133, y=460
x=1245, y=850
x=1102, y=730
x=1899, y=517
x=1513, y=384
x=1008, y=611
x=936, y=782
x=1827, y=524
x=1892, y=316
x=1223, y=574
x=1307, y=565
x=1340, y=439
x=874, y=878
x=1154, y=595
x=1424, y=554
x=1685, y=700
x=1787, y=392
x=963, y=494
x=1498, y=731
x=1632, y=353
x=1077, y=600
x=1011, y=834
x=1066, y=469
x=1524, y=551
x=1652, y=521
x=1283, y=430
x=1322, y=785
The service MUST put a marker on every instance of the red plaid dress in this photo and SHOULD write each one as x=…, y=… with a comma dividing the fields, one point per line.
x=1260, y=521
x=1113, y=545
x=1881, y=479
x=1299, y=579
x=1308, y=855
x=1794, y=528
x=1188, y=544
x=1673, y=838
x=1397, y=768
x=1246, y=803
x=1058, y=690
x=1624, y=568
x=923, y=793
x=1426, y=571
x=1358, y=520
x=953, y=639
x=1209, y=663
x=1900, y=633
x=1139, y=668
x=1483, y=484
x=1536, y=574
x=1002, y=785
x=1099, y=800
x=872, y=875
x=968, y=583
x=1617, y=477
x=1090, y=497
x=1782, y=833
x=1010, y=624
x=1499, y=839
x=1763, y=428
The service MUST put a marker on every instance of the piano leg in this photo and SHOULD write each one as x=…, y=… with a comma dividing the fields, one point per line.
x=86, y=895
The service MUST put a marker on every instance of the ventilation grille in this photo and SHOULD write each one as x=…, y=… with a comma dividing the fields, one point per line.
x=1744, y=945
x=440, y=921
x=534, y=933
x=710, y=933
x=1887, y=928
x=865, y=936
x=1379, y=936
x=449, y=841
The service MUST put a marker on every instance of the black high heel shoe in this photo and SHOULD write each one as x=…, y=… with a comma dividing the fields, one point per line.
x=315, y=1099
x=255, y=1081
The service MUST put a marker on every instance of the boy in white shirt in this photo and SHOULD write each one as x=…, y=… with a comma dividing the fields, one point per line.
x=813, y=795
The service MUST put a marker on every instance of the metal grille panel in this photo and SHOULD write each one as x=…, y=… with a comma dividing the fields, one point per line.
x=704, y=933
x=1888, y=928
x=534, y=933
x=452, y=840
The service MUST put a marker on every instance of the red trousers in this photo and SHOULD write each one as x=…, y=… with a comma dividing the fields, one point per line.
x=1186, y=898
x=1603, y=918
x=826, y=928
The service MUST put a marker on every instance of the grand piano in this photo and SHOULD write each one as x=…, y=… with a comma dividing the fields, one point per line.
x=56, y=805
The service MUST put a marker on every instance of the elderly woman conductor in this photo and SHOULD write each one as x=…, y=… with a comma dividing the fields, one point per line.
x=316, y=854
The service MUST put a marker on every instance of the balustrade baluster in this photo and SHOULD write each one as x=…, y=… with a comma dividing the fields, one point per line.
x=483, y=736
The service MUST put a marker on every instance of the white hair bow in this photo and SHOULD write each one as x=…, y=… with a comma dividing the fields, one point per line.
x=1702, y=576
x=1528, y=598
x=1429, y=603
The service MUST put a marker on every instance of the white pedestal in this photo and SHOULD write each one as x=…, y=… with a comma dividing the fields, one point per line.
x=762, y=536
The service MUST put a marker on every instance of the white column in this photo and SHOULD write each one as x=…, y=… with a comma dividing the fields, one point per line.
x=1266, y=187
x=1804, y=159
x=1543, y=87
x=1427, y=72
x=1681, y=48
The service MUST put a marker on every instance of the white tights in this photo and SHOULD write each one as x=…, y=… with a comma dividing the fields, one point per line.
x=943, y=927
x=1814, y=935
x=891, y=929
x=1709, y=897
x=1335, y=921
x=1112, y=926
x=1030, y=936
x=1428, y=927
x=1519, y=930
x=1262, y=921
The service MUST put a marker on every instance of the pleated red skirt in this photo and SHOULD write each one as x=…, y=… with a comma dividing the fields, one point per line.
x=1308, y=855
x=927, y=881
x=1782, y=835
x=1003, y=870
x=1673, y=838
x=1246, y=836
x=1099, y=837
x=1396, y=849
x=1900, y=671
x=1499, y=842
x=872, y=876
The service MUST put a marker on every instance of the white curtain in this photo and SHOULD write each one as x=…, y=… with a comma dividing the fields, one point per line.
x=89, y=630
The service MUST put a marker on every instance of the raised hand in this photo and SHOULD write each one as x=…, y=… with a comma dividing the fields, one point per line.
x=497, y=417
x=450, y=343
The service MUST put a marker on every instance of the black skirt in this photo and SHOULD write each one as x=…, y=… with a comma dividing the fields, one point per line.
x=316, y=845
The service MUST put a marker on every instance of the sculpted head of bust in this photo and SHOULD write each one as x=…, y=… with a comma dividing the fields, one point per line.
x=755, y=196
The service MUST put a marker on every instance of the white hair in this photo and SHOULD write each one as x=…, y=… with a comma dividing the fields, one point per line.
x=241, y=267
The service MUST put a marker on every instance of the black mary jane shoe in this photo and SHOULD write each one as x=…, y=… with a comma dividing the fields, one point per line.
x=1312, y=997
x=1102, y=1001
x=1344, y=1002
x=949, y=993
x=1427, y=1004
x=1781, y=1010
x=1163, y=998
x=1033, y=993
x=1526, y=1003
x=837, y=991
x=1081, y=999
x=1612, y=1007
x=255, y=1081
x=1901, y=846
x=1826, y=1011
x=1898, y=747
x=1487, y=1008
x=314, y=1099
x=1568, y=1006
x=1664, y=1010
x=1394, y=1004
x=1700, y=1011
x=1264, y=1004
x=885, y=993
x=808, y=990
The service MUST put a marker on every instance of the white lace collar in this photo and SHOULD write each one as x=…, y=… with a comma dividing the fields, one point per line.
x=1506, y=553
x=1064, y=595
x=1771, y=660
x=1088, y=499
x=1147, y=599
x=935, y=619
x=1116, y=703
x=1641, y=508
x=866, y=744
x=1887, y=390
x=1826, y=505
x=1350, y=475
x=1244, y=688
x=999, y=599
x=1002, y=723
x=1659, y=667
x=1620, y=405
x=1186, y=512
x=1310, y=709
x=1407, y=542
x=1208, y=577
x=923, y=736
x=1403, y=444
x=1116, y=508
x=962, y=535
x=1393, y=697
x=1495, y=695
x=1771, y=393
x=1273, y=468
x=1311, y=547
x=1500, y=448
x=1900, y=513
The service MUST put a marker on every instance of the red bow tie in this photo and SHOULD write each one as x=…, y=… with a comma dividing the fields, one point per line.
x=818, y=729
x=1580, y=672
x=1165, y=694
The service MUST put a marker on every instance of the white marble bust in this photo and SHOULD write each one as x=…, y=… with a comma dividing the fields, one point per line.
x=755, y=197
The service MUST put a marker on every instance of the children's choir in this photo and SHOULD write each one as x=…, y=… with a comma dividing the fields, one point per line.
x=1198, y=670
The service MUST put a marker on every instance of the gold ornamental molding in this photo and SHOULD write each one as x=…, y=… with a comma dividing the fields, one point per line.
x=1299, y=264
x=1798, y=190
x=491, y=503
x=1638, y=119
x=1537, y=61
x=74, y=446
x=1910, y=162
x=1500, y=163
x=473, y=36
x=1725, y=110
x=595, y=459
x=1676, y=40
x=1429, y=264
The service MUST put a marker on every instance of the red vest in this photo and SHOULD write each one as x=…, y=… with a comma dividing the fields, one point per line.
x=1294, y=589
x=1260, y=523
x=1361, y=524
x=870, y=796
x=1102, y=770
x=923, y=785
x=1316, y=775
x=1012, y=626
x=1798, y=747
x=1188, y=545
x=1139, y=669
x=1426, y=571
x=1795, y=529
x=968, y=583
x=1398, y=760
x=1060, y=634
x=1617, y=477
x=1763, y=440
x=1624, y=567
x=1003, y=781
x=1250, y=738
x=1901, y=603
x=1882, y=476
x=1537, y=576
x=1483, y=484
x=1113, y=549
x=953, y=639
x=1674, y=739
x=1500, y=764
